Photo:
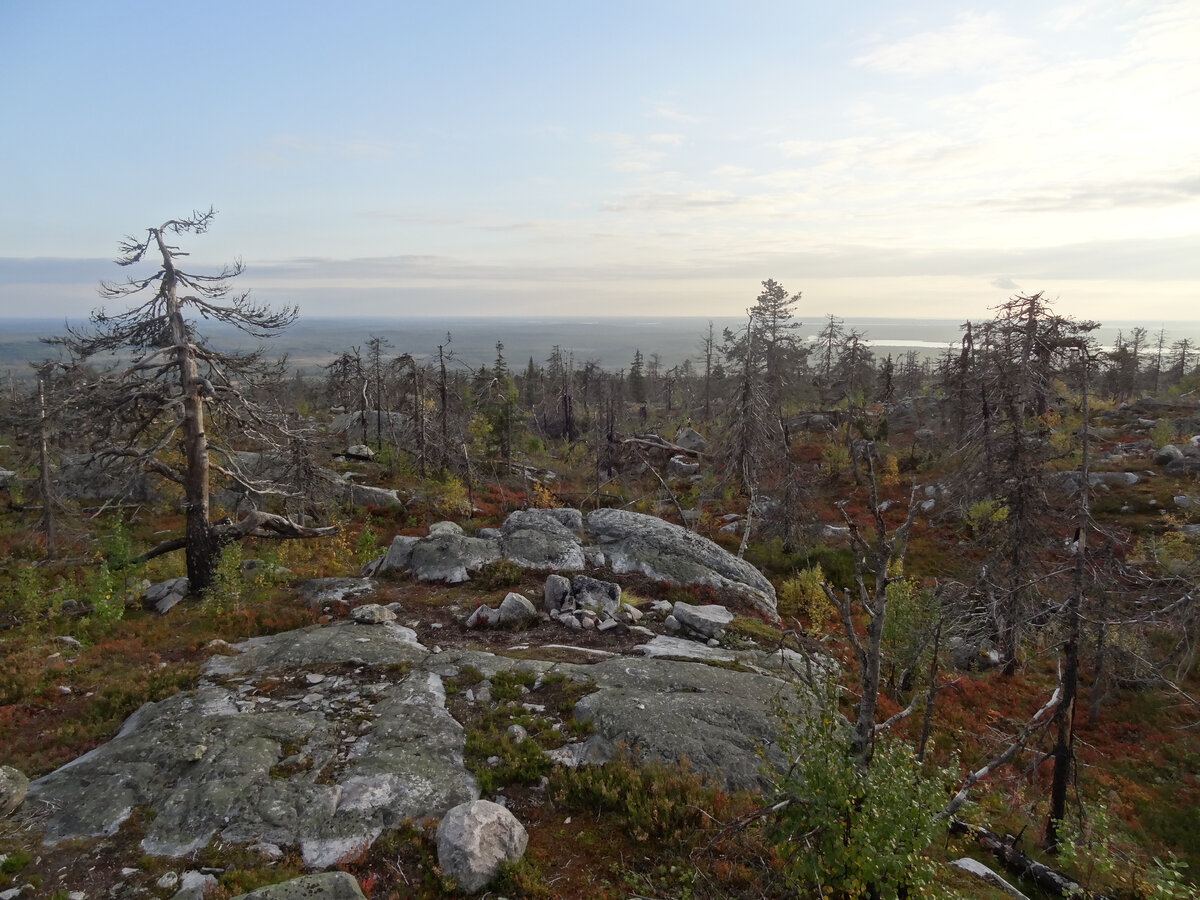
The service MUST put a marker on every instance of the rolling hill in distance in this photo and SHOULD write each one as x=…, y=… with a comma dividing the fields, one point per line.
x=313, y=340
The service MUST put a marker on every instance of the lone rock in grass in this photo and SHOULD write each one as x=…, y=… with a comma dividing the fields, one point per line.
x=474, y=838
x=13, y=787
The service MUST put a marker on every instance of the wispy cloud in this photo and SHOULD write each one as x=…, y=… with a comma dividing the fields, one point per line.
x=671, y=114
x=975, y=41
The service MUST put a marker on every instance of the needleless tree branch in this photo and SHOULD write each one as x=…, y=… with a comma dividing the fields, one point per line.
x=175, y=381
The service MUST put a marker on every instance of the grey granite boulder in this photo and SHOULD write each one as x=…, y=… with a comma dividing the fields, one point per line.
x=397, y=556
x=682, y=466
x=555, y=592
x=516, y=611
x=591, y=593
x=13, y=787
x=1166, y=455
x=707, y=620
x=366, y=495
x=474, y=839
x=164, y=596
x=372, y=614
x=539, y=549
x=633, y=542
x=449, y=557
x=690, y=439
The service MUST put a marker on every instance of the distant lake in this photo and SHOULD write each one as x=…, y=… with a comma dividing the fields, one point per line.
x=611, y=342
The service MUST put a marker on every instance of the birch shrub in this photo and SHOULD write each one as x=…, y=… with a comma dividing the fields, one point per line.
x=849, y=831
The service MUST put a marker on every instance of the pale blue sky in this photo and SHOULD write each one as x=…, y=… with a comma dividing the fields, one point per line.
x=923, y=159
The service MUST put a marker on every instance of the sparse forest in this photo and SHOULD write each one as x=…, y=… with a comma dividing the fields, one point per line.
x=995, y=550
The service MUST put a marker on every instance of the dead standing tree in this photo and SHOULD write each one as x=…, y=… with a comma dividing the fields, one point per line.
x=151, y=409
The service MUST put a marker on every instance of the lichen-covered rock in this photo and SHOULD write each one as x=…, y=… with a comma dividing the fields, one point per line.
x=664, y=709
x=325, y=886
x=229, y=761
x=542, y=549
x=13, y=787
x=516, y=611
x=323, y=591
x=547, y=520
x=372, y=614
x=633, y=542
x=397, y=556
x=474, y=839
x=1166, y=455
x=690, y=439
x=555, y=592
x=593, y=594
x=444, y=556
x=706, y=620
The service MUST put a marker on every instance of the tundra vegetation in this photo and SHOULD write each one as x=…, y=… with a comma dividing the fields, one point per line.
x=998, y=547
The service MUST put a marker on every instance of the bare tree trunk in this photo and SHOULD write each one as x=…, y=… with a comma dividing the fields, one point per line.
x=44, y=471
x=1064, y=745
x=202, y=546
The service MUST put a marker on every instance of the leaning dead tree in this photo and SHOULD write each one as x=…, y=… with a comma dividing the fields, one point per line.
x=152, y=404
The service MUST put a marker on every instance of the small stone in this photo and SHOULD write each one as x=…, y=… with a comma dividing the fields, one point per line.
x=69, y=641
x=314, y=678
x=713, y=642
x=588, y=623
x=168, y=880
x=494, y=761
x=671, y=624
x=312, y=699
x=608, y=625
x=372, y=614
x=517, y=734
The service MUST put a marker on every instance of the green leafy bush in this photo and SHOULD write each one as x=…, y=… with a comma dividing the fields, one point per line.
x=848, y=831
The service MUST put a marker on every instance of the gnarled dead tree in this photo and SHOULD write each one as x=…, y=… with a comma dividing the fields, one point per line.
x=151, y=404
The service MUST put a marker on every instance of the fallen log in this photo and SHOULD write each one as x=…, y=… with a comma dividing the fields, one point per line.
x=1005, y=850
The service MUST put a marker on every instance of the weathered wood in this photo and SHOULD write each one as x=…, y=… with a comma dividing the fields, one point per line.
x=1004, y=849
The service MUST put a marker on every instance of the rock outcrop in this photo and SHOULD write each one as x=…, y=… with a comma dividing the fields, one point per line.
x=632, y=542
x=262, y=752
x=549, y=540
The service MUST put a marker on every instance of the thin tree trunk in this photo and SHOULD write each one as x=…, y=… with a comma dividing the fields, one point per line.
x=44, y=471
x=1063, y=753
x=202, y=547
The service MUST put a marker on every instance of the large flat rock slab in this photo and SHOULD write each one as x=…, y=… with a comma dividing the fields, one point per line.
x=265, y=749
x=717, y=719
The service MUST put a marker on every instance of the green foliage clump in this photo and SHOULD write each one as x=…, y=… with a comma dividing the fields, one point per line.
x=367, y=547
x=225, y=592
x=503, y=573
x=804, y=595
x=850, y=831
x=655, y=801
x=1091, y=848
x=985, y=515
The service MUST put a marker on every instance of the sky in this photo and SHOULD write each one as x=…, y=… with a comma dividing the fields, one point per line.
x=620, y=158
